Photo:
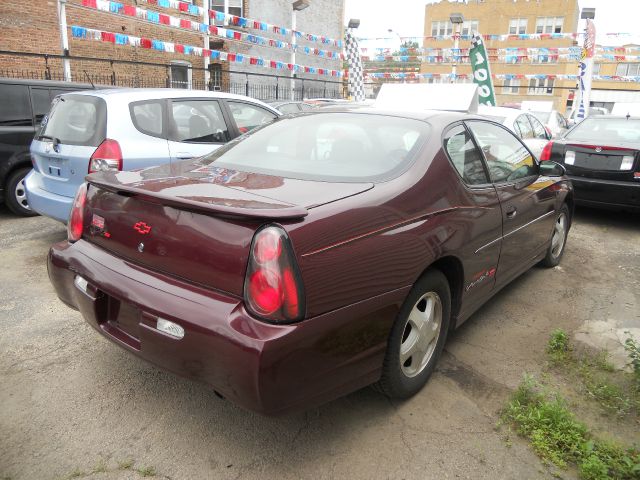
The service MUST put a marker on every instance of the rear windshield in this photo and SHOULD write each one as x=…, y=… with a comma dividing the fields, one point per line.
x=76, y=120
x=344, y=147
x=606, y=130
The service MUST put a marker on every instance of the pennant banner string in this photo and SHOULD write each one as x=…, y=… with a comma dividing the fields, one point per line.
x=503, y=76
x=244, y=22
x=149, y=16
x=169, y=47
x=520, y=36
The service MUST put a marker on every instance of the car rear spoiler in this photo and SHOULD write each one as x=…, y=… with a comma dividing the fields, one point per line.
x=260, y=208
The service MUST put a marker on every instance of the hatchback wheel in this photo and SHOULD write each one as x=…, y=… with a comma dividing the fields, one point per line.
x=558, y=238
x=16, y=193
x=417, y=337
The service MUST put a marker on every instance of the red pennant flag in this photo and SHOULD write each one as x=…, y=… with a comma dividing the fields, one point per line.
x=152, y=2
x=290, y=66
x=256, y=25
x=185, y=23
x=206, y=52
x=130, y=10
x=164, y=19
x=89, y=3
x=183, y=7
x=273, y=64
x=145, y=43
x=321, y=71
x=253, y=61
x=212, y=13
x=235, y=20
x=213, y=30
x=237, y=35
x=178, y=48
x=108, y=37
x=231, y=57
x=307, y=69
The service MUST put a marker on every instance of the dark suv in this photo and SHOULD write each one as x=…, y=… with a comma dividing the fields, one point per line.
x=23, y=105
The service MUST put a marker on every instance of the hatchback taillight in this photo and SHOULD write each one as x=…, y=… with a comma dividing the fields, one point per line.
x=76, y=218
x=273, y=287
x=107, y=156
x=545, y=156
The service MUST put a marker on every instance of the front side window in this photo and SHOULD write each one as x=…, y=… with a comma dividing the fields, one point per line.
x=248, y=117
x=507, y=158
x=344, y=147
x=198, y=121
x=465, y=156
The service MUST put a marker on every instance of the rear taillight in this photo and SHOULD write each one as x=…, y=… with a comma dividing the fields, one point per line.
x=545, y=156
x=76, y=218
x=273, y=287
x=107, y=156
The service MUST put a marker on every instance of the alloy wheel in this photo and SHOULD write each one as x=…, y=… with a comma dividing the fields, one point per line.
x=421, y=334
x=559, y=235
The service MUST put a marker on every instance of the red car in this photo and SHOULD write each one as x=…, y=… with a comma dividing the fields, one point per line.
x=314, y=256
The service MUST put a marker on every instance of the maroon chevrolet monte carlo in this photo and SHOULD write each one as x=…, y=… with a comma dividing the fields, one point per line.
x=315, y=255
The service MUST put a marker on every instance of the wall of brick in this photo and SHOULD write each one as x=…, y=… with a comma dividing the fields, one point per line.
x=32, y=26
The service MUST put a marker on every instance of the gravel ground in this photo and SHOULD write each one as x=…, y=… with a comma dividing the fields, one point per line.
x=75, y=405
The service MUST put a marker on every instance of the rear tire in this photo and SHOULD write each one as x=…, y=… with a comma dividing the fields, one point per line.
x=558, y=238
x=16, y=193
x=417, y=337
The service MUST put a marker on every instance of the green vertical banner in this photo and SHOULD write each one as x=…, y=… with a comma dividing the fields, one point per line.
x=481, y=71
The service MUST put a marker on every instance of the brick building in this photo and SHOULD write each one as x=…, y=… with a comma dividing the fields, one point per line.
x=33, y=26
x=515, y=17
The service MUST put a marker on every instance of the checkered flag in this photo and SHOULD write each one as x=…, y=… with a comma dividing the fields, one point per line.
x=356, y=74
x=476, y=41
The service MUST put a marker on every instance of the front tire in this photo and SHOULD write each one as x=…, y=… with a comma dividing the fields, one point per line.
x=16, y=193
x=417, y=337
x=558, y=238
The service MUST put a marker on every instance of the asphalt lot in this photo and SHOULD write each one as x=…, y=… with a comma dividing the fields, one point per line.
x=73, y=403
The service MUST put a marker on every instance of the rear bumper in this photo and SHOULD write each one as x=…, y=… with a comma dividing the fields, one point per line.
x=606, y=193
x=262, y=367
x=46, y=203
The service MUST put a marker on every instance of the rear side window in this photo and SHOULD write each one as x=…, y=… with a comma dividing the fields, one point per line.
x=507, y=158
x=198, y=121
x=248, y=117
x=523, y=127
x=16, y=107
x=77, y=120
x=465, y=156
x=148, y=117
x=289, y=108
x=41, y=103
x=344, y=147
x=538, y=128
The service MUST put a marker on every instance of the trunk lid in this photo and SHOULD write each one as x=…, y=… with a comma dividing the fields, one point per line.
x=601, y=161
x=196, y=222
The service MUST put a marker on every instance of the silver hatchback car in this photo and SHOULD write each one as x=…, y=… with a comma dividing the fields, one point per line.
x=127, y=129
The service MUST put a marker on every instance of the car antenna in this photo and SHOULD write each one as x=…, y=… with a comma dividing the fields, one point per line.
x=628, y=115
x=89, y=78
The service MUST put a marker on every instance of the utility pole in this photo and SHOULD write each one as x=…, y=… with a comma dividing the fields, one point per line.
x=64, y=39
x=207, y=58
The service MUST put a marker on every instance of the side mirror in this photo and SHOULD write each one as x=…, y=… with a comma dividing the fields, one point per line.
x=547, y=133
x=552, y=169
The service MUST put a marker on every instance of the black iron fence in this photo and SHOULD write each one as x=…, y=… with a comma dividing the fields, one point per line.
x=136, y=74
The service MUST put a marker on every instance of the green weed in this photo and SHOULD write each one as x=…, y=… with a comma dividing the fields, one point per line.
x=633, y=350
x=559, y=438
x=147, y=471
x=558, y=347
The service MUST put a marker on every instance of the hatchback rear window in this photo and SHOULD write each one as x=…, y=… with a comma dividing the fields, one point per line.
x=77, y=120
x=345, y=147
x=606, y=130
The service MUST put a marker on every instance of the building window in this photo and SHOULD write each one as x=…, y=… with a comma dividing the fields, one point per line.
x=626, y=69
x=549, y=24
x=180, y=74
x=469, y=27
x=510, y=86
x=441, y=28
x=215, y=70
x=541, y=86
x=230, y=7
x=517, y=26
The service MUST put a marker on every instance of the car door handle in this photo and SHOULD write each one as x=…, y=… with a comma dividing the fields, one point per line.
x=511, y=212
x=184, y=156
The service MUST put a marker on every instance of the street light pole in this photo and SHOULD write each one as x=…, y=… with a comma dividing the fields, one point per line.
x=297, y=6
x=64, y=39
x=457, y=19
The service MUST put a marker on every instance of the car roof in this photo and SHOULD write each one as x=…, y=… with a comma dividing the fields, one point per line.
x=135, y=94
x=424, y=115
x=50, y=83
